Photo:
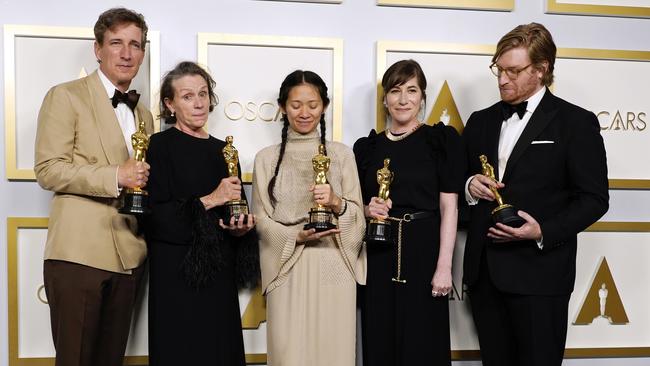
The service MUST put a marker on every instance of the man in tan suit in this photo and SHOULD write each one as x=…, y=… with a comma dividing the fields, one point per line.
x=94, y=255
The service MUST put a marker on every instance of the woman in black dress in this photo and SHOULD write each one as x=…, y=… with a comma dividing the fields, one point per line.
x=197, y=262
x=405, y=309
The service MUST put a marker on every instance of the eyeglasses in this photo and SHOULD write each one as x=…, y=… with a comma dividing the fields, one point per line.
x=511, y=72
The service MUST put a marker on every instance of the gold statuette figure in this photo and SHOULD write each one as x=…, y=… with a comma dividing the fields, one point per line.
x=233, y=208
x=136, y=200
x=320, y=217
x=379, y=230
x=503, y=213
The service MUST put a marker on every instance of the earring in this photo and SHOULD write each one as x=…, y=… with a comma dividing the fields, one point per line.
x=172, y=114
x=422, y=112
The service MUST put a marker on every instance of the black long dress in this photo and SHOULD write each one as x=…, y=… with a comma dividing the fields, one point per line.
x=402, y=323
x=189, y=324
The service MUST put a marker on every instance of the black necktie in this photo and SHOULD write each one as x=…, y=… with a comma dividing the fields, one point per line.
x=510, y=109
x=130, y=98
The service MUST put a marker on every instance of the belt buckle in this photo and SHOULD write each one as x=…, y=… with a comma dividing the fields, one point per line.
x=407, y=218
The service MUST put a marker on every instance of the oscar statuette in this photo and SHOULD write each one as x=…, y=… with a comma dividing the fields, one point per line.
x=503, y=213
x=136, y=200
x=378, y=230
x=320, y=217
x=233, y=208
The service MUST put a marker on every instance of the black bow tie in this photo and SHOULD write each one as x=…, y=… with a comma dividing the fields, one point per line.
x=509, y=109
x=130, y=98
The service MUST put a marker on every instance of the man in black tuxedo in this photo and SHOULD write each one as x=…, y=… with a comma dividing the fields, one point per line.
x=549, y=161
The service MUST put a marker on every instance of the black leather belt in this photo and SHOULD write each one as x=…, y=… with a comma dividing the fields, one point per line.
x=417, y=216
x=408, y=217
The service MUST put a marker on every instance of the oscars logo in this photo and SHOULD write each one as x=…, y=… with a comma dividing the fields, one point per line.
x=632, y=122
x=445, y=110
x=603, y=301
x=251, y=111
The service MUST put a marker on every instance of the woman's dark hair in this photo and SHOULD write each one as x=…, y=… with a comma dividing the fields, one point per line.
x=184, y=68
x=296, y=78
x=401, y=72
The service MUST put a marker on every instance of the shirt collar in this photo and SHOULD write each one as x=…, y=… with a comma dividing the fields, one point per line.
x=108, y=85
x=535, y=99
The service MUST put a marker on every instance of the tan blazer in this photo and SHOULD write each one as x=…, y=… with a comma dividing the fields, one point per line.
x=79, y=145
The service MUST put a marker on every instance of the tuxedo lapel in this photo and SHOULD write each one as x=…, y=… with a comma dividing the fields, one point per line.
x=492, y=142
x=110, y=132
x=542, y=116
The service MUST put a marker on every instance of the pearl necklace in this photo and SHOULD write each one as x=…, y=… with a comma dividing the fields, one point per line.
x=392, y=137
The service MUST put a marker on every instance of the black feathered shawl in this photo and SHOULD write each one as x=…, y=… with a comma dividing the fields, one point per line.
x=204, y=258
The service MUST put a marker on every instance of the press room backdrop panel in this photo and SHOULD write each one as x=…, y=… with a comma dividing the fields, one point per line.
x=458, y=78
x=604, y=258
x=311, y=1
x=69, y=52
x=500, y=5
x=623, y=8
x=459, y=82
x=30, y=336
x=249, y=70
x=604, y=245
x=359, y=24
x=605, y=82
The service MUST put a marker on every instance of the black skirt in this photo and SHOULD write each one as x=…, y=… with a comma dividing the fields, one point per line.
x=189, y=326
x=402, y=323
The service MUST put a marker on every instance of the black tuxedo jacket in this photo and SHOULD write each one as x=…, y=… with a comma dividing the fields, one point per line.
x=557, y=173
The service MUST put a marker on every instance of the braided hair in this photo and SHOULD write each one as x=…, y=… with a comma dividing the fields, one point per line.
x=296, y=78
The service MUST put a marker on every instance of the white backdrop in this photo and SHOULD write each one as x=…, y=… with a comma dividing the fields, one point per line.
x=360, y=23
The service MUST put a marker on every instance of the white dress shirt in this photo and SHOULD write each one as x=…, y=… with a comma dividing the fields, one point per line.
x=511, y=130
x=125, y=117
x=123, y=113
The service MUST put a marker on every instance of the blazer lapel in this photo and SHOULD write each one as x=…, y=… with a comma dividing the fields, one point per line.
x=542, y=116
x=110, y=132
x=141, y=113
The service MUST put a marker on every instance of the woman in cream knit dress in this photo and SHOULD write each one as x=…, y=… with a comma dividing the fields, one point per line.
x=309, y=278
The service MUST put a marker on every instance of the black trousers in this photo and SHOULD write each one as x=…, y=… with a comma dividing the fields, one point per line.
x=515, y=329
x=90, y=312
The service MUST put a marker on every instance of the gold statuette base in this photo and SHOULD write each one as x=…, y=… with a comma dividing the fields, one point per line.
x=235, y=208
x=136, y=202
x=507, y=215
x=320, y=218
x=378, y=231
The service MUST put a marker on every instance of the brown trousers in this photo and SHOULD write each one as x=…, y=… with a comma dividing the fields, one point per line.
x=90, y=312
